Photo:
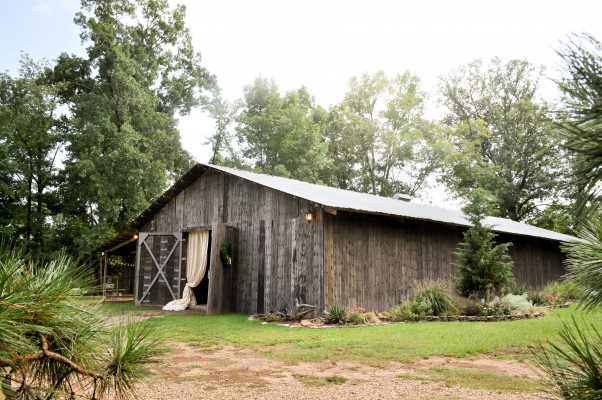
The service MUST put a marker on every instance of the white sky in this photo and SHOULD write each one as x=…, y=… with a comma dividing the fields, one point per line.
x=321, y=44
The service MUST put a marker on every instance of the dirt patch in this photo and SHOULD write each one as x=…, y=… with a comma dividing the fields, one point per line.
x=193, y=373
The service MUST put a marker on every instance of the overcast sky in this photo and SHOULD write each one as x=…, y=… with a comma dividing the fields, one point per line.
x=321, y=44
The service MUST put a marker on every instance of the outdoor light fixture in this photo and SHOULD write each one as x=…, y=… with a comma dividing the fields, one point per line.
x=135, y=236
x=309, y=214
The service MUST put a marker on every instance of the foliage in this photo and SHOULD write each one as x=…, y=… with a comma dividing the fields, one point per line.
x=562, y=287
x=140, y=71
x=556, y=298
x=31, y=134
x=582, y=129
x=517, y=302
x=51, y=343
x=584, y=262
x=573, y=365
x=271, y=317
x=502, y=136
x=484, y=267
x=518, y=288
x=335, y=314
x=537, y=298
x=438, y=296
x=378, y=139
x=473, y=308
x=281, y=135
x=225, y=252
x=497, y=306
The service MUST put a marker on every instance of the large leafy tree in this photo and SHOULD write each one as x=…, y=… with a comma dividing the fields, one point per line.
x=31, y=137
x=502, y=136
x=379, y=140
x=124, y=97
x=281, y=135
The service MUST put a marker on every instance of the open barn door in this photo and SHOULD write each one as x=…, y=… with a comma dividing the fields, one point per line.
x=222, y=277
x=158, y=268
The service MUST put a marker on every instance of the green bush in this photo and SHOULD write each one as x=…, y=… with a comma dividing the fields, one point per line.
x=574, y=291
x=433, y=298
x=573, y=366
x=484, y=266
x=497, y=306
x=518, y=289
x=537, y=298
x=517, y=302
x=335, y=314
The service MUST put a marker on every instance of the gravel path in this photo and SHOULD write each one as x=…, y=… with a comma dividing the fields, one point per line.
x=230, y=373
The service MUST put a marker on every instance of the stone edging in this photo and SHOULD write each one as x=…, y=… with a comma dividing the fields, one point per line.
x=481, y=318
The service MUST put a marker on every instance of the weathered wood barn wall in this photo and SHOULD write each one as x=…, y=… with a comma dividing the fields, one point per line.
x=372, y=261
x=341, y=257
x=278, y=256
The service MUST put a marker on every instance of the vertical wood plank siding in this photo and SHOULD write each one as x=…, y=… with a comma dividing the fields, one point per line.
x=279, y=255
x=372, y=261
x=347, y=259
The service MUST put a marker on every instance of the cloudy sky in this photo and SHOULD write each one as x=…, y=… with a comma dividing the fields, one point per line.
x=321, y=44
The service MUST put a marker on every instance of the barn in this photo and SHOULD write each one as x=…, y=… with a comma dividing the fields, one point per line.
x=295, y=240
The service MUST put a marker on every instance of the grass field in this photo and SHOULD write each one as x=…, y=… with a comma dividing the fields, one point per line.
x=373, y=344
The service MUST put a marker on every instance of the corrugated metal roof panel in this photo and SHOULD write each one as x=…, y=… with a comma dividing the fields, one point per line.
x=363, y=202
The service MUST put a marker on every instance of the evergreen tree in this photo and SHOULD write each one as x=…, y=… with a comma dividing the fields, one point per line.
x=484, y=266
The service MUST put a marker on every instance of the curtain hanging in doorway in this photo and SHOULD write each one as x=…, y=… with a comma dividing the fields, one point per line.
x=196, y=266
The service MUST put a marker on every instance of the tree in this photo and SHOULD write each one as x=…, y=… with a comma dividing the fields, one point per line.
x=124, y=147
x=281, y=135
x=31, y=137
x=502, y=136
x=52, y=346
x=572, y=363
x=582, y=127
x=484, y=266
x=379, y=141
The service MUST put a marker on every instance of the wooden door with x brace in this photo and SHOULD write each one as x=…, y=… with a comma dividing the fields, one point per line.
x=159, y=268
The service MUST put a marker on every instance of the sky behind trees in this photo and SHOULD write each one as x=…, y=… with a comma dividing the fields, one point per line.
x=323, y=44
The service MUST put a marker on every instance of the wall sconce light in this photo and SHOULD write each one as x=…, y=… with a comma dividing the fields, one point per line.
x=309, y=214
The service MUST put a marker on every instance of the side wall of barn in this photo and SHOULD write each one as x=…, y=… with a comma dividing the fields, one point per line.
x=372, y=261
x=279, y=256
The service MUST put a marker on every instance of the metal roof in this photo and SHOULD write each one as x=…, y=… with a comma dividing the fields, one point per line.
x=372, y=204
x=338, y=199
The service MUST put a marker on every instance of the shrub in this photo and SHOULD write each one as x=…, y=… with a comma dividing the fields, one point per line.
x=484, y=267
x=473, y=308
x=355, y=315
x=335, y=314
x=573, y=290
x=556, y=298
x=518, y=289
x=573, y=366
x=433, y=298
x=537, y=298
x=497, y=306
x=270, y=317
x=517, y=302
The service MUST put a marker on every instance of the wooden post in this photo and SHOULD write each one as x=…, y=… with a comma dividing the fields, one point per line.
x=104, y=279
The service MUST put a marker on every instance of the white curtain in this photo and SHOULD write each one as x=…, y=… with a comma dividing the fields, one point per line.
x=196, y=266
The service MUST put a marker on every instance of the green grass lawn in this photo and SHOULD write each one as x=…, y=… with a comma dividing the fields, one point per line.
x=373, y=344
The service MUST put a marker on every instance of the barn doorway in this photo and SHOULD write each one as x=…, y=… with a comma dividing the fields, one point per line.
x=201, y=291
